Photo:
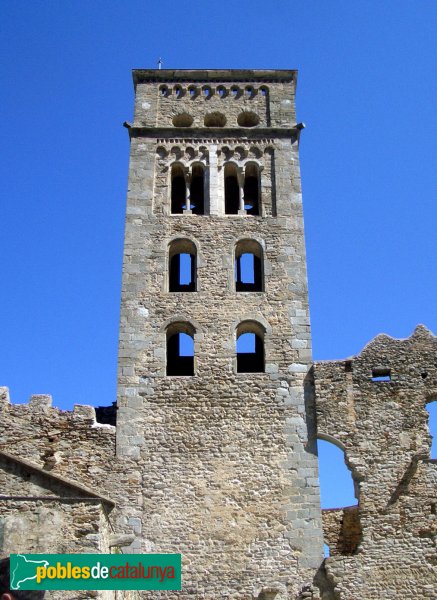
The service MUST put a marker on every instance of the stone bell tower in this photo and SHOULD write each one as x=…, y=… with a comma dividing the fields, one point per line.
x=214, y=337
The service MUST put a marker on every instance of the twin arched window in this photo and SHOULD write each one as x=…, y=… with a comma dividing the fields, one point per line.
x=241, y=185
x=188, y=189
x=182, y=266
x=242, y=189
x=181, y=351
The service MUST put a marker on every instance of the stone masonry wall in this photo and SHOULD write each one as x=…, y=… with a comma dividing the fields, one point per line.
x=382, y=427
x=229, y=474
x=69, y=444
x=39, y=514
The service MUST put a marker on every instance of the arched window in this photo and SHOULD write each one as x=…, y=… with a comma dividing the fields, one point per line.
x=164, y=91
x=221, y=90
x=197, y=189
x=251, y=189
x=248, y=266
x=232, y=190
x=192, y=90
x=250, y=347
x=180, y=349
x=182, y=266
x=178, y=189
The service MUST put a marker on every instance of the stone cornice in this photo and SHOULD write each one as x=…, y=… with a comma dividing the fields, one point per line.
x=218, y=75
x=213, y=133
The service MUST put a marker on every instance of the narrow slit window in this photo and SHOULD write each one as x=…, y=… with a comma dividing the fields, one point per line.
x=251, y=190
x=232, y=190
x=180, y=350
x=381, y=374
x=178, y=190
x=197, y=190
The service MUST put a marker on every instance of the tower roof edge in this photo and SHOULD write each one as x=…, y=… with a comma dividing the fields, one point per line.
x=143, y=75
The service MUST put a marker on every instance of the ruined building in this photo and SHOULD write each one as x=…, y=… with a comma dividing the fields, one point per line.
x=219, y=404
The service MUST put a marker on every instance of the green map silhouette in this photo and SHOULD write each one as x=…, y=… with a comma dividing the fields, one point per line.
x=24, y=569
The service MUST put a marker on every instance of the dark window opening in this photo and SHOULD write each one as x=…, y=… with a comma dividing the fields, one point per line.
x=232, y=190
x=381, y=374
x=180, y=354
x=251, y=190
x=348, y=366
x=248, y=273
x=164, y=91
x=197, y=190
x=250, y=353
x=182, y=273
x=182, y=266
x=178, y=190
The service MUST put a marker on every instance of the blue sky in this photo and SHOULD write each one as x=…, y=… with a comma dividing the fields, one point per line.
x=366, y=91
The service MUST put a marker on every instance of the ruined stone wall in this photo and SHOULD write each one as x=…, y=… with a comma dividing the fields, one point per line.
x=373, y=407
x=230, y=479
x=342, y=529
x=40, y=513
x=69, y=444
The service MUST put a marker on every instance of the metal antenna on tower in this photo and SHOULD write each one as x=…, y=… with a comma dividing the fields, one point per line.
x=159, y=63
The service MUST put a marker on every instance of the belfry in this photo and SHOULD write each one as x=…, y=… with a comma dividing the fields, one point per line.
x=215, y=340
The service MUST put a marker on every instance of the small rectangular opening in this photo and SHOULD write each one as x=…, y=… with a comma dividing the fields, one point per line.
x=381, y=374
